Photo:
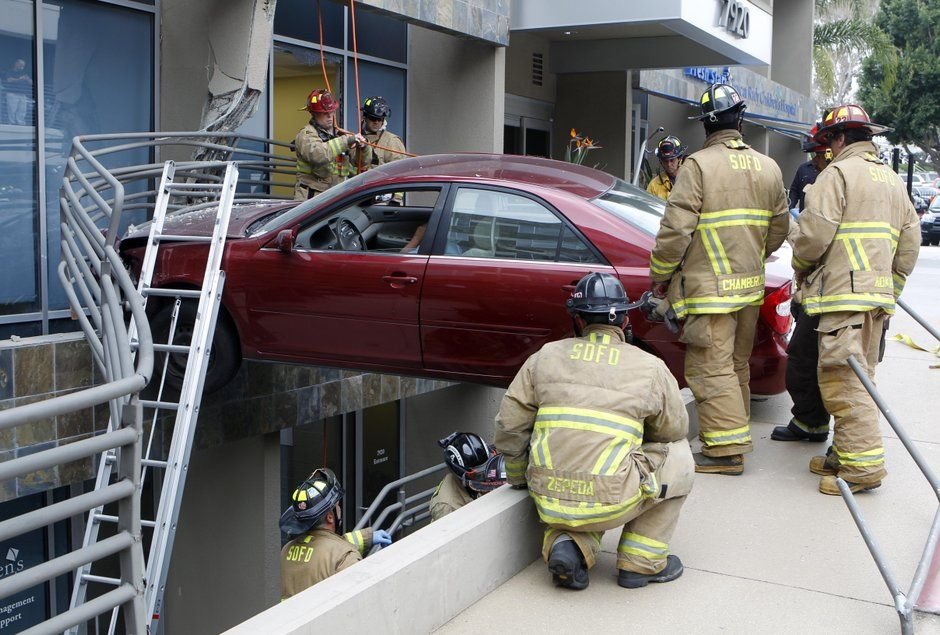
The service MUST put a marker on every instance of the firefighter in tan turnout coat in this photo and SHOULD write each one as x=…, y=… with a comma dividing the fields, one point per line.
x=857, y=242
x=316, y=550
x=727, y=212
x=325, y=155
x=597, y=431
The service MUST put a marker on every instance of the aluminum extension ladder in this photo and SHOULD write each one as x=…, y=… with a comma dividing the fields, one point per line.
x=174, y=469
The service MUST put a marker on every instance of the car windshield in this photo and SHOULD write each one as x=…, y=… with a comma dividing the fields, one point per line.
x=324, y=198
x=627, y=202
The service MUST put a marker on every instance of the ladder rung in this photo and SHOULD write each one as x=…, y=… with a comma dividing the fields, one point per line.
x=164, y=405
x=153, y=463
x=113, y=519
x=193, y=186
x=88, y=577
x=172, y=293
x=170, y=348
x=182, y=238
x=110, y=458
x=148, y=523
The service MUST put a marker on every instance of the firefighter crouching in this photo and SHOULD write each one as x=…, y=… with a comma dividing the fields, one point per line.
x=727, y=212
x=475, y=469
x=596, y=429
x=313, y=521
x=324, y=154
x=857, y=242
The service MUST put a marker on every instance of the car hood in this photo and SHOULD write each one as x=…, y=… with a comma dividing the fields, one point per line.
x=201, y=222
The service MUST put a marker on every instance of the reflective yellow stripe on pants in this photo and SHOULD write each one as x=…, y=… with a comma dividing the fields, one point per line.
x=727, y=437
x=642, y=547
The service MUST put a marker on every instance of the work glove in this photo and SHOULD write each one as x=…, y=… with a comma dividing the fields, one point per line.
x=381, y=538
x=659, y=289
x=658, y=310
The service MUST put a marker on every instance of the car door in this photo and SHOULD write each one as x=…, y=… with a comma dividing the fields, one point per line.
x=326, y=304
x=494, y=292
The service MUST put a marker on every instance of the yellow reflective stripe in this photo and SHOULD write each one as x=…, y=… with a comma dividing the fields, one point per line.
x=712, y=249
x=334, y=145
x=591, y=420
x=867, y=458
x=303, y=167
x=650, y=486
x=552, y=511
x=539, y=452
x=805, y=427
x=739, y=211
x=799, y=263
x=355, y=538
x=852, y=254
x=515, y=469
x=661, y=267
x=716, y=304
x=612, y=456
x=756, y=222
x=860, y=248
x=637, y=545
x=899, y=282
x=848, y=302
x=604, y=338
x=727, y=437
x=721, y=253
x=867, y=226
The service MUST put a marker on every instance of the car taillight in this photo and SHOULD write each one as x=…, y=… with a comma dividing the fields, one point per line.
x=776, y=309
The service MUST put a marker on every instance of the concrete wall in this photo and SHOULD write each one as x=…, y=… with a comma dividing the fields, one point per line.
x=596, y=105
x=455, y=94
x=184, y=55
x=225, y=561
x=519, y=67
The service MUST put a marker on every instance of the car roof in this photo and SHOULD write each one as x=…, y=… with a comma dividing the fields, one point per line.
x=578, y=180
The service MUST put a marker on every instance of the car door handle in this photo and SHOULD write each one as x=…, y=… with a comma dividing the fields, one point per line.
x=399, y=279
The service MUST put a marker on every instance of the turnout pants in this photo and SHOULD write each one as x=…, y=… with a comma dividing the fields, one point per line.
x=809, y=412
x=717, y=355
x=856, y=440
x=644, y=540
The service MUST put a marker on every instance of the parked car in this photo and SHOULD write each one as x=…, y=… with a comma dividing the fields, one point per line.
x=930, y=224
x=325, y=281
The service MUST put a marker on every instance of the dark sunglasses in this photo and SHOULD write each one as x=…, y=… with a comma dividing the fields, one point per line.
x=368, y=118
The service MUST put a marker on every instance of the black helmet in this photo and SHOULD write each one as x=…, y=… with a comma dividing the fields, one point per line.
x=487, y=477
x=311, y=501
x=718, y=100
x=670, y=148
x=464, y=452
x=376, y=107
x=599, y=293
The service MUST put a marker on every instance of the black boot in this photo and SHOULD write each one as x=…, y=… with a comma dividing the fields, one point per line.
x=633, y=580
x=567, y=565
x=791, y=432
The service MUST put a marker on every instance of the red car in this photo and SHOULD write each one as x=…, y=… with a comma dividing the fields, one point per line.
x=332, y=281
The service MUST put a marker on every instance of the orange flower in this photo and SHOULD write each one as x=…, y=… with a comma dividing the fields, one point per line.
x=574, y=133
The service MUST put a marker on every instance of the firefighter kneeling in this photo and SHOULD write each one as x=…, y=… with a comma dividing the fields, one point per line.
x=597, y=431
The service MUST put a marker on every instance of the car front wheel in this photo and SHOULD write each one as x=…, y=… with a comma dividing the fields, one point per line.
x=224, y=359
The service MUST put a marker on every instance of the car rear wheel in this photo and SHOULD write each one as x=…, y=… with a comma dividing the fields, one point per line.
x=224, y=359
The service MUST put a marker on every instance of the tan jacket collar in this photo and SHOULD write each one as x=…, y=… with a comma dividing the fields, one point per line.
x=855, y=149
x=605, y=329
x=720, y=137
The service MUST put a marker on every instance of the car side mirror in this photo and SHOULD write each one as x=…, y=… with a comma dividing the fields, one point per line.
x=285, y=240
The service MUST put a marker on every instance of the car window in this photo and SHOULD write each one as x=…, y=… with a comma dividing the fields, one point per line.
x=495, y=224
x=642, y=210
x=384, y=221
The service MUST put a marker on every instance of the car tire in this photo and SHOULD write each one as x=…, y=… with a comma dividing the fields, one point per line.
x=224, y=360
x=935, y=242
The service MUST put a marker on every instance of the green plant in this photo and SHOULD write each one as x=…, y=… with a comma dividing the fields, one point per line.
x=578, y=148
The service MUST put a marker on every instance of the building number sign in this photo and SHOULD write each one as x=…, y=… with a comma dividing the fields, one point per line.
x=734, y=17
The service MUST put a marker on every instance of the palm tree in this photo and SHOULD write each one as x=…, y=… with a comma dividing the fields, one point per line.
x=843, y=36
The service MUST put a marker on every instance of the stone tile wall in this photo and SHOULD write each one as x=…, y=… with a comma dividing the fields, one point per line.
x=483, y=19
x=262, y=398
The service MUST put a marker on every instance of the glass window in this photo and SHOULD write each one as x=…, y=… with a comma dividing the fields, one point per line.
x=491, y=224
x=98, y=65
x=379, y=35
x=385, y=81
x=298, y=19
x=19, y=210
x=643, y=211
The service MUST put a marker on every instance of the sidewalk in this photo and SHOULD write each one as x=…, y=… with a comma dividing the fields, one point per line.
x=765, y=552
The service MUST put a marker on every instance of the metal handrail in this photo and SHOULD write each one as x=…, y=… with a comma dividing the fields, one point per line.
x=904, y=603
x=366, y=518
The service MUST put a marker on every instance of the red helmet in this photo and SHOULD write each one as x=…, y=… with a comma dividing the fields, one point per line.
x=321, y=101
x=844, y=117
x=810, y=144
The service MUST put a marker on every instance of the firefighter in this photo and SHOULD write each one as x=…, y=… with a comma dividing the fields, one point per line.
x=809, y=419
x=316, y=549
x=723, y=217
x=475, y=470
x=375, y=113
x=670, y=152
x=324, y=153
x=856, y=243
x=596, y=429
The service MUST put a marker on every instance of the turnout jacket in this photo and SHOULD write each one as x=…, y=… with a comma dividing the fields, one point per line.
x=449, y=496
x=858, y=236
x=727, y=212
x=374, y=157
x=323, y=158
x=316, y=555
x=572, y=423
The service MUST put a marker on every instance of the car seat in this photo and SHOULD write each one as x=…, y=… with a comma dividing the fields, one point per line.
x=483, y=237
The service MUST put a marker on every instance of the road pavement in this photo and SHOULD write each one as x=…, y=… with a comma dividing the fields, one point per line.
x=765, y=552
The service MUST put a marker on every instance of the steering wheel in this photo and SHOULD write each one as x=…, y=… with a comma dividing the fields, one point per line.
x=349, y=237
